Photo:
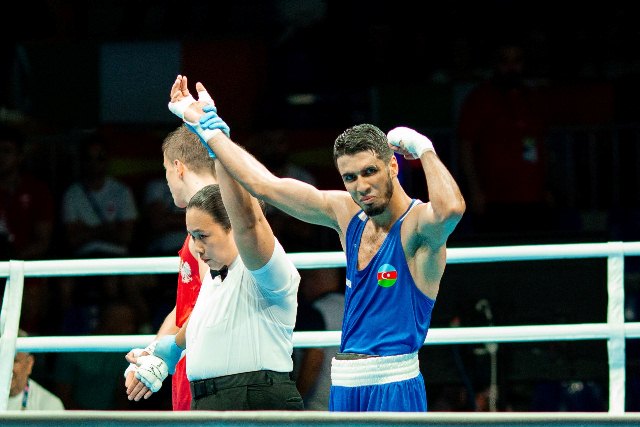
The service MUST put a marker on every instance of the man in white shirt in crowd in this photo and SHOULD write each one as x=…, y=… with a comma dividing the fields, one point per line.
x=26, y=394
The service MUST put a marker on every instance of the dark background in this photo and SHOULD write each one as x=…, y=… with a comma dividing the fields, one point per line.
x=311, y=69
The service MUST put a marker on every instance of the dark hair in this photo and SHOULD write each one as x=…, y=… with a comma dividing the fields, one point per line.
x=359, y=138
x=209, y=200
x=184, y=145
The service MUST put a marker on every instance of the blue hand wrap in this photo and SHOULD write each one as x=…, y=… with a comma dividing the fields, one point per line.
x=208, y=123
x=169, y=351
x=193, y=129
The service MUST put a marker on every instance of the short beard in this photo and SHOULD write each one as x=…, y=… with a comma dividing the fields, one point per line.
x=377, y=210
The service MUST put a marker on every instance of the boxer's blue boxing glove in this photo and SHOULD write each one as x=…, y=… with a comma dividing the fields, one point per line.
x=167, y=350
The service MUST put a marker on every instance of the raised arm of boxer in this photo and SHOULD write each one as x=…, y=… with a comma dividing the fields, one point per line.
x=299, y=199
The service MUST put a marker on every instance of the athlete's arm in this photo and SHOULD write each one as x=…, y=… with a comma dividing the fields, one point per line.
x=296, y=198
x=437, y=219
x=428, y=226
x=168, y=326
x=251, y=231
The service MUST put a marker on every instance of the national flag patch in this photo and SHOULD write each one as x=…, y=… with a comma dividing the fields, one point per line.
x=387, y=276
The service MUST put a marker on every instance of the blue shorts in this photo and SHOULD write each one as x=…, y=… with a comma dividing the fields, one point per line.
x=401, y=396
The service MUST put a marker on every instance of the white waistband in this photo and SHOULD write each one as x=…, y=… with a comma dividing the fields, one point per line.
x=374, y=370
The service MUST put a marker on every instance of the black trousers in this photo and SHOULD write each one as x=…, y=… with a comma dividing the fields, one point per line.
x=257, y=390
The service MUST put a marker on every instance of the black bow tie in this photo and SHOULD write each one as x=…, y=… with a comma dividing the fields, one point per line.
x=222, y=273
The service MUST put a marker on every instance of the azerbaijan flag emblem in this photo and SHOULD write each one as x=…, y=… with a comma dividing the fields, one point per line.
x=387, y=276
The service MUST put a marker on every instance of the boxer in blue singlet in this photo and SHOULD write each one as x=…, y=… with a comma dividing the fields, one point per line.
x=369, y=328
x=395, y=247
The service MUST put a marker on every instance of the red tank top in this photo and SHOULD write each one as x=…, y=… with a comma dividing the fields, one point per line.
x=188, y=284
x=188, y=289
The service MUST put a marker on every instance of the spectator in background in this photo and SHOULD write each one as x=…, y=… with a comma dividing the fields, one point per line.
x=274, y=149
x=502, y=132
x=321, y=290
x=26, y=211
x=25, y=394
x=99, y=212
x=165, y=220
x=26, y=222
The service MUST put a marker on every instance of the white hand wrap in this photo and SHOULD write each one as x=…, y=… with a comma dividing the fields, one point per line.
x=151, y=372
x=178, y=108
x=204, y=96
x=131, y=368
x=151, y=347
x=137, y=352
x=411, y=141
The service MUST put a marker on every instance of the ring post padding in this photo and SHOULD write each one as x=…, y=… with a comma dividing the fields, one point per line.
x=9, y=323
x=615, y=320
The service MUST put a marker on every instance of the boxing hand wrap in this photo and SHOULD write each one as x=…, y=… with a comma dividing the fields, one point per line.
x=202, y=136
x=214, y=124
x=151, y=372
x=131, y=368
x=410, y=141
x=137, y=352
x=178, y=108
x=209, y=125
x=167, y=350
x=151, y=347
x=204, y=96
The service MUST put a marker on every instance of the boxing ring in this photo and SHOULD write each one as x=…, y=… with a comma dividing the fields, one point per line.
x=615, y=331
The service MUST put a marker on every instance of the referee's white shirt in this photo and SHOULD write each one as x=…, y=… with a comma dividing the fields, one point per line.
x=246, y=322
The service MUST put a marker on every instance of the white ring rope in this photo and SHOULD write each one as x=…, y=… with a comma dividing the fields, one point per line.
x=615, y=330
x=437, y=336
x=311, y=260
